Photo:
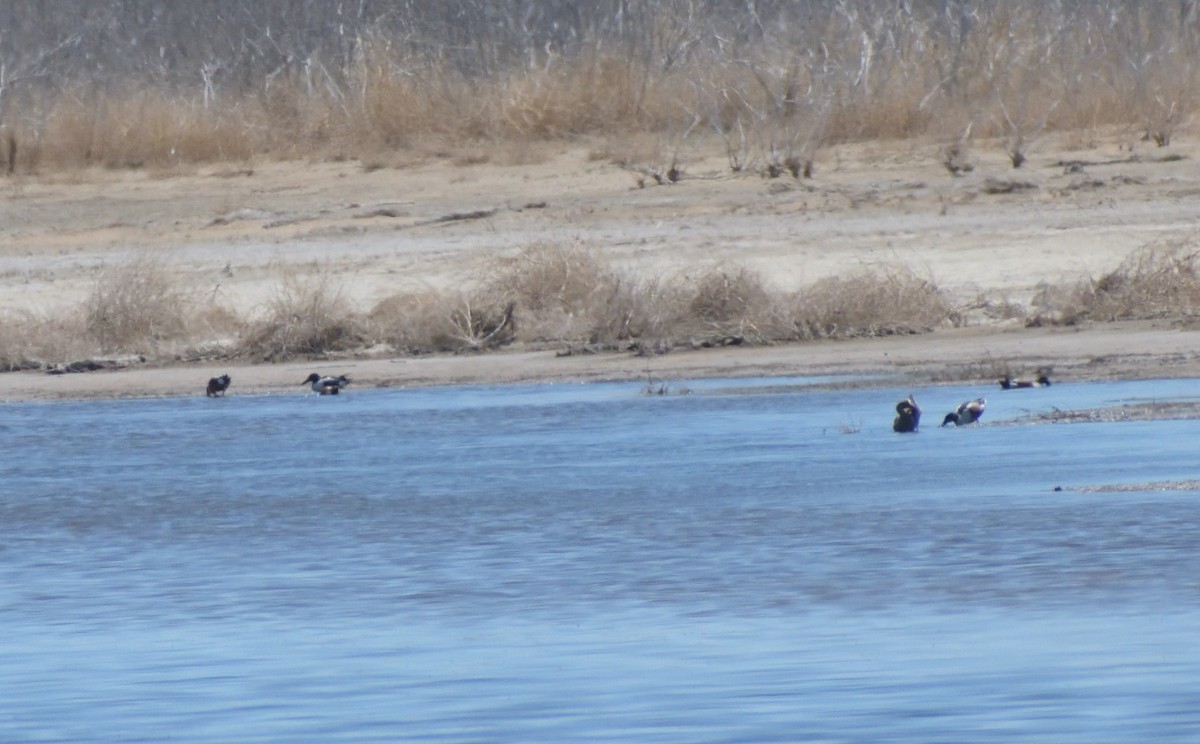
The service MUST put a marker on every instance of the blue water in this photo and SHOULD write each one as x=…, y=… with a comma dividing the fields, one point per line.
x=756, y=561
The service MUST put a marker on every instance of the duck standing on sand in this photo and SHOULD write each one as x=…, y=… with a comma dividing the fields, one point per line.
x=327, y=385
x=908, y=416
x=966, y=413
x=1008, y=383
x=218, y=385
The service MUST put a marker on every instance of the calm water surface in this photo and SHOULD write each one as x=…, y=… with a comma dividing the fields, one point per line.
x=751, y=562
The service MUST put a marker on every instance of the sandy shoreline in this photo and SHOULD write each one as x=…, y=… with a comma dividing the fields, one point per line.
x=980, y=355
x=232, y=232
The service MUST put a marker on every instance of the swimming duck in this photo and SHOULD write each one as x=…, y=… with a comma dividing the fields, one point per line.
x=966, y=413
x=1008, y=383
x=327, y=385
x=218, y=386
x=908, y=415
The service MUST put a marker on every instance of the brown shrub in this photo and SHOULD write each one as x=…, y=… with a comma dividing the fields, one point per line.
x=142, y=128
x=649, y=311
x=422, y=320
x=306, y=317
x=31, y=341
x=881, y=302
x=1156, y=281
x=136, y=306
x=736, y=303
x=560, y=292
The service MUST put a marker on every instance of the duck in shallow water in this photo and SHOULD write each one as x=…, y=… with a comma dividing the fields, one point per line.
x=218, y=385
x=966, y=413
x=908, y=416
x=1009, y=383
x=327, y=385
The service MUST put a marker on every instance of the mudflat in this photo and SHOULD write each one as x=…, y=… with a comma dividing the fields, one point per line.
x=991, y=238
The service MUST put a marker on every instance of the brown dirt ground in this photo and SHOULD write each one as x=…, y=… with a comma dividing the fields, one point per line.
x=233, y=230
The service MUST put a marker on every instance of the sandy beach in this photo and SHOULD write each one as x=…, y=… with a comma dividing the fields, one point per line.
x=992, y=237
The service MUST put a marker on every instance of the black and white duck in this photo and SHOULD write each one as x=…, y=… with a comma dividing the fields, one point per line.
x=327, y=385
x=966, y=413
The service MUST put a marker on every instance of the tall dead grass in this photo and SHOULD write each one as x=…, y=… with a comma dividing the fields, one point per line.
x=735, y=304
x=874, y=302
x=776, y=83
x=136, y=306
x=142, y=128
x=33, y=341
x=554, y=295
x=1160, y=280
x=307, y=316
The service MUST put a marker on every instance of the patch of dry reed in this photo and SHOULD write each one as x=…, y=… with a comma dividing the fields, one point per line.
x=1160, y=280
x=733, y=305
x=32, y=341
x=136, y=307
x=554, y=294
x=880, y=302
x=775, y=83
x=307, y=316
x=416, y=320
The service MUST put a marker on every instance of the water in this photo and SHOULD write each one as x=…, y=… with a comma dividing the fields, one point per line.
x=750, y=562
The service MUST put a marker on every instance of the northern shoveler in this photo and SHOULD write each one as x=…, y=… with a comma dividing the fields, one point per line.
x=1008, y=383
x=218, y=386
x=966, y=413
x=326, y=385
x=908, y=415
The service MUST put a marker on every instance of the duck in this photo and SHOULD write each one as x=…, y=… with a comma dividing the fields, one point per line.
x=908, y=416
x=966, y=413
x=218, y=385
x=327, y=385
x=1008, y=383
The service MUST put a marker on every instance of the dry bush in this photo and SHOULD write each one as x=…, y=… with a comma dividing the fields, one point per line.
x=777, y=82
x=1156, y=281
x=32, y=341
x=213, y=332
x=646, y=310
x=735, y=304
x=546, y=293
x=560, y=292
x=594, y=92
x=883, y=302
x=420, y=321
x=136, y=307
x=136, y=129
x=305, y=317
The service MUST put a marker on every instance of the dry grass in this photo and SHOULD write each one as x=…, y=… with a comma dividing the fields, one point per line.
x=673, y=70
x=564, y=294
x=308, y=316
x=416, y=320
x=881, y=302
x=560, y=292
x=1157, y=281
x=138, y=129
x=30, y=341
x=733, y=305
x=561, y=295
x=136, y=307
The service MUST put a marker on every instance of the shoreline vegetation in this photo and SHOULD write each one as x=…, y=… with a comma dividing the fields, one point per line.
x=128, y=85
x=653, y=88
x=563, y=298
